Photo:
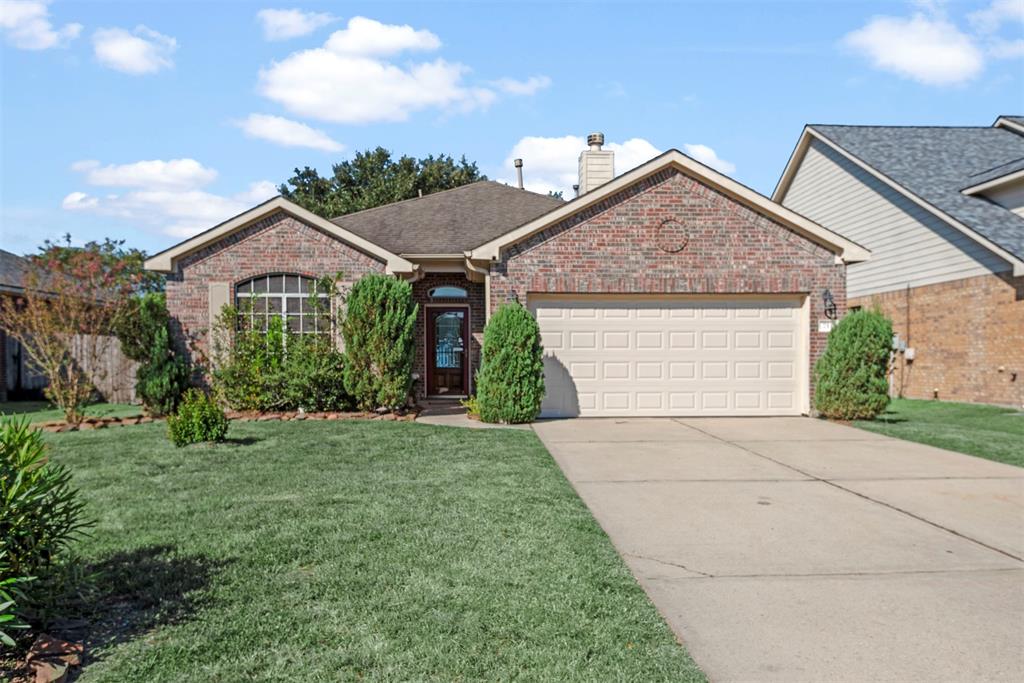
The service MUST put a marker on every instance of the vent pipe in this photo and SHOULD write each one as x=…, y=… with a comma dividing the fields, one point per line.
x=519, y=172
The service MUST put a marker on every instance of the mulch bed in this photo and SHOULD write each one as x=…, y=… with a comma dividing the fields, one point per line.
x=242, y=416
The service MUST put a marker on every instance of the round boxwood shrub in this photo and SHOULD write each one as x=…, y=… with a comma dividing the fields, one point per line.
x=510, y=383
x=850, y=377
x=198, y=419
x=379, y=342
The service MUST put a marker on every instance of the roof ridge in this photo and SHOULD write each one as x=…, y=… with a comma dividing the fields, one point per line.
x=878, y=125
x=432, y=194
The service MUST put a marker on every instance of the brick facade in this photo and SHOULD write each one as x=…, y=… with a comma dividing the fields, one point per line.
x=616, y=247
x=477, y=318
x=968, y=338
x=276, y=244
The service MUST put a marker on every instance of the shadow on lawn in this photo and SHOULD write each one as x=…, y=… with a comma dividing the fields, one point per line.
x=128, y=594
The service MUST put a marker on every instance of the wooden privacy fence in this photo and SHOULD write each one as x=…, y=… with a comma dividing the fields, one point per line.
x=112, y=373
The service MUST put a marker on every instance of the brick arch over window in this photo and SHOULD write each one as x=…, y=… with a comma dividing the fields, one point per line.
x=303, y=305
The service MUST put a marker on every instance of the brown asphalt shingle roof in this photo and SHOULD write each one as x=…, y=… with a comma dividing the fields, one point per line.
x=451, y=221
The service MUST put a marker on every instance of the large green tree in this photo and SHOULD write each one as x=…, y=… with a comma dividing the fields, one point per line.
x=374, y=178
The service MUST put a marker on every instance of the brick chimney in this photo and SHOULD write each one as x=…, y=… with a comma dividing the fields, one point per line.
x=597, y=166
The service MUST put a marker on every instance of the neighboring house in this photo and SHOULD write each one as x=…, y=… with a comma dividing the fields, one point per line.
x=18, y=379
x=113, y=378
x=942, y=211
x=670, y=290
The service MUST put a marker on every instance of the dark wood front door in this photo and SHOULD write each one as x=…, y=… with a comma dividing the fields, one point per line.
x=447, y=351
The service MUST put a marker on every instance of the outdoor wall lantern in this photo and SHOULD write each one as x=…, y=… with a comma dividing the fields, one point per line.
x=830, y=304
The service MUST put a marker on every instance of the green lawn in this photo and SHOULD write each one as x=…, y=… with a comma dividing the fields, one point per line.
x=986, y=431
x=324, y=551
x=43, y=411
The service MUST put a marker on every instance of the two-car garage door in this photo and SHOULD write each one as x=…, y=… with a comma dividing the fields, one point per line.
x=672, y=356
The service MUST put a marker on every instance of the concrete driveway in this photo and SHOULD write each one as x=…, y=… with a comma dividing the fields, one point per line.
x=796, y=549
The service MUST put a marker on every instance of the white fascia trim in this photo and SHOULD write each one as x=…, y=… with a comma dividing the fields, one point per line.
x=847, y=250
x=994, y=183
x=801, y=150
x=164, y=261
x=1003, y=122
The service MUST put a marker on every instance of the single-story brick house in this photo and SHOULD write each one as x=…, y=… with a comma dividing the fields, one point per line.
x=942, y=211
x=669, y=290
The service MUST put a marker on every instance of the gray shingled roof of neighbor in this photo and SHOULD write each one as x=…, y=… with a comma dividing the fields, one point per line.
x=13, y=269
x=937, y=163
x=451, y=221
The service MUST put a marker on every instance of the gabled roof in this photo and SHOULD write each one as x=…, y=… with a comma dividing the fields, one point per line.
x=164, y=262
x=844, y=249
x=1011, y=123
x=448, y=222
x=933, y=166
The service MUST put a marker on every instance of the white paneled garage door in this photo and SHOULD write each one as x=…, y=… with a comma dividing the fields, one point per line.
x=648, y=356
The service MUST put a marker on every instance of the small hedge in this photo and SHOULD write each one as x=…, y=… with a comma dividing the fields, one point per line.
x=851, y=375
x=510, y=383
x=379, y=342
x=198, y=419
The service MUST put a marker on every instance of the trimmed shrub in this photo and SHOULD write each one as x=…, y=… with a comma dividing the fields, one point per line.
x=379, y=342
x=314, y=374
x=850, y=377
x=40, y=513
x=198, y=419
x=510, y=383
x=163, y=375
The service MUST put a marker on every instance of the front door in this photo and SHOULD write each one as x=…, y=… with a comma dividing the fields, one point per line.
x=447, y=351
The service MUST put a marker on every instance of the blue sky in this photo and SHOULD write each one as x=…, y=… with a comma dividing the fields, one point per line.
x=150, y=121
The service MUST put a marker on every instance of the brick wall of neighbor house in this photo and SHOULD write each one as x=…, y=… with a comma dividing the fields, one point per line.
x=613, y=248
x=276, y=244
x=477, y=318
x=968, y=338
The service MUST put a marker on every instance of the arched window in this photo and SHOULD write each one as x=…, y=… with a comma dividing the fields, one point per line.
x=448, y=292
x=292, y=297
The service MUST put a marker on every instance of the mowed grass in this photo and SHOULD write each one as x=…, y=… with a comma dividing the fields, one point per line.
x=323, y=551
x=985, y=431
x=43, y=411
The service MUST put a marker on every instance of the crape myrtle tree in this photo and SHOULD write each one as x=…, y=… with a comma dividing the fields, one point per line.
x=73, y=302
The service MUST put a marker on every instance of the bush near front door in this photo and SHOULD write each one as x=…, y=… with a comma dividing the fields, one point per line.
x=379, y=342
x=510, y=384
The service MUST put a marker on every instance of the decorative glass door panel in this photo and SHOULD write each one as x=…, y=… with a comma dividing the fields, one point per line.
x=447, y=351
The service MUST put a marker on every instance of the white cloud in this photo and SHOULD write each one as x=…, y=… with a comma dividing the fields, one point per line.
x=156, y=173
x=165, y=196
x=530, y=86
x=27, y=25
x=282, y=24
x=1007, y=49
x=370, y=38
x=552, y=164
x=79, y=200
x=348, y=81
x=287, y=133
x=142, y=51
x=708, y=157
x=990, y=19
x=930, y=50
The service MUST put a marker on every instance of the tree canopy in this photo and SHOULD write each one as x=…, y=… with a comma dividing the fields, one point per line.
x=373, y=178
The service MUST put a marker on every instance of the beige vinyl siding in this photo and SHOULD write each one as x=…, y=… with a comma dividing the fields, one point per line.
x=909, y=245
x=1009, y=196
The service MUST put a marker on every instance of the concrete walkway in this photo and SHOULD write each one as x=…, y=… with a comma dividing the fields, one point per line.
x=795, y=549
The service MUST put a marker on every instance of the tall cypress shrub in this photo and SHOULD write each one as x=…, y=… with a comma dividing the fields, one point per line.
x=379, y=342
x=510, y=383
x=850, y=377
x=163, y=375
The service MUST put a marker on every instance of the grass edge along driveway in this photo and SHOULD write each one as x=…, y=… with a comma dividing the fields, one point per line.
x=358, y=550
x=986, y=431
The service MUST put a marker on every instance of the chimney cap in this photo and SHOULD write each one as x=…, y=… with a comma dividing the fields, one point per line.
x=518, y=163
x=595, y=140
